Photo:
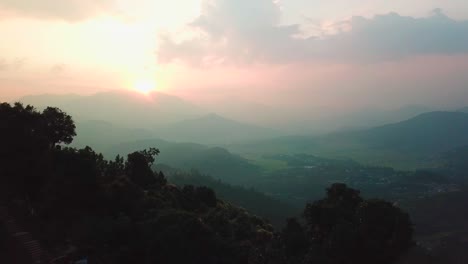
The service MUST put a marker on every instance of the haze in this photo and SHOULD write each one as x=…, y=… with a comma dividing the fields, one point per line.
x=313, y=56
x=234, y=131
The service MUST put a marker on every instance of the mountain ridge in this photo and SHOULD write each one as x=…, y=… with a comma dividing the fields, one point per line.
x=215, y=129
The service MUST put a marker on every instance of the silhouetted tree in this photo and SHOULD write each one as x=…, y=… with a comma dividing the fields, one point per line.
x=295, y=240
x=138, y=167
x=59, y=127
x=26, y=136
x=385, y=231
x=344, y=229
x=206, y=196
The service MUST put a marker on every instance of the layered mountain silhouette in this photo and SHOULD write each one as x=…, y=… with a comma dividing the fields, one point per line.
x=214, y=129
x=112, y=117
x=417, y=138
x=430, y=132
x=125, y=109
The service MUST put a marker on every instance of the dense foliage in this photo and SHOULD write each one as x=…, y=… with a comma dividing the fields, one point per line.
x=78, y=204
x=252, y=200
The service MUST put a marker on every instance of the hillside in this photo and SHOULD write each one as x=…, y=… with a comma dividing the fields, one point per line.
x=253, y=201
x=72, y=205
x=214, y=161
x=406, y=145
x=427, y=133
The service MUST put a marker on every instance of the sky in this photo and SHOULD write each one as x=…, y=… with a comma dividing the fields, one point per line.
x=303, y=54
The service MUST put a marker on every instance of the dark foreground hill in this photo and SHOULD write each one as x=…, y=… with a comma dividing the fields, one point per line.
x=253, y=201
x=79, y=206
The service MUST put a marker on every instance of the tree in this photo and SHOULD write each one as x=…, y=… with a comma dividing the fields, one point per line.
x=294, y=239
x=26, y=137
x=206, y=196
x=346, y=229
x=59, y=127
x=385, y=231
x=339, y=206
x=138, y=167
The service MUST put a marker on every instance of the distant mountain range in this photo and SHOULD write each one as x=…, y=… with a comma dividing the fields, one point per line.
x=404, y=144
x=214, y=129
x=113, y=117
x=124, y=109
x=430, y=132
x=107, y=119
x=330, y=122
x=101, y=135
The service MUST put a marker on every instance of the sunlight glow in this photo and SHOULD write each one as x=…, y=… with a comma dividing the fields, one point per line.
x=144, y=86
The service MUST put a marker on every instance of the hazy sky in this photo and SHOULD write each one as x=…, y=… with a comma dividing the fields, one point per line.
x=334, y=54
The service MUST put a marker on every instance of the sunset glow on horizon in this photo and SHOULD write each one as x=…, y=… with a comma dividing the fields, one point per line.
x=255, y=51
x=145, y=86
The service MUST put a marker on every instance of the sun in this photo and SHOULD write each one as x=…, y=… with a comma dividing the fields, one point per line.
x=144, y=86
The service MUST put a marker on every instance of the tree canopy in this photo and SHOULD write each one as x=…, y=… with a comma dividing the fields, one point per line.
x=121, y=211
x=345, y=228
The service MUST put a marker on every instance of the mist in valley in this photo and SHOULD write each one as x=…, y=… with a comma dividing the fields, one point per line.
x=233, y=132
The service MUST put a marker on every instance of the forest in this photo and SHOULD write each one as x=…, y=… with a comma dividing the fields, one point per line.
x=233, y=132
x=74, y=205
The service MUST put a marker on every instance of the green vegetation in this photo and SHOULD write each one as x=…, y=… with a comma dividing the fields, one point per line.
x=409, y=144
x=266, y=163
x=78, y=204
x=253, y=201
x=214, y=161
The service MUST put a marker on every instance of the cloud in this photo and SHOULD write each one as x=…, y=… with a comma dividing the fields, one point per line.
x=233, y=31
x=248, y=31
x=391, y=36
x=69, y=10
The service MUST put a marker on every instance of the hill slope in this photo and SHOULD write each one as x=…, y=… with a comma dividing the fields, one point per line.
x=254, y=201
x=217, y=162
x=430, y=132
x=403, y=145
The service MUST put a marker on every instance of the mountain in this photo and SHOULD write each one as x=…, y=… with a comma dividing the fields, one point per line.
x=214, y=129
x=368, y=118
x=125, y=109
x=156, y=115
x=430, y=132
x=408, y=144
x=404, y=145
x=216, y=162
x=101, y=135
